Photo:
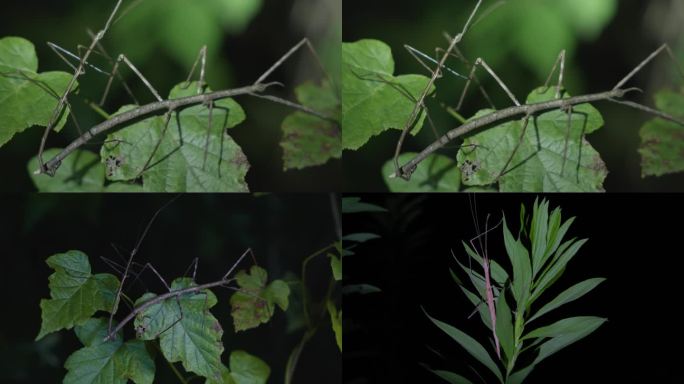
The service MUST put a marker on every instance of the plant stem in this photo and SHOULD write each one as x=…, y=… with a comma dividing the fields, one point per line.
x=304, y=290
x=173, y=367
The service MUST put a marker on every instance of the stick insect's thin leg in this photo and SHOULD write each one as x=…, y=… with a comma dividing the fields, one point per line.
x=503, y=86
x=124, y=59
x=63, y=54
x=458, y=55
x=248, y=251
x=304, y=42
x=560, y=60
x=641, y=65
x=525, y=122
x=144, y=168
x=193, y=266
x=202, y=60
x=206, y=142
x=567, y=138
x=418, y=54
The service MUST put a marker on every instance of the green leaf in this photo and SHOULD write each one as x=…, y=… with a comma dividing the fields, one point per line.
x=538, y=163
x=309, y=140
x=80, y=172
x=498, y=273
x=244, y=369
x=335, y=266
x=450, y=377
x=437, y=173
x=178, y=164
x=522, y=272
x=111, y=362
x=27, y=98
x=360, y=237
x=571, y=294
x=255, y=303
x=361, y=289
x=186, y=329
x=469, y=344
x=336, y=322
x=564, y=333
x=539, y=234
x=557, y=267
x=504, y=326
x=354, y=205
x=123, y=188
x=373, y=99
x=519, y=376
x=75, y=293
x=662, y=141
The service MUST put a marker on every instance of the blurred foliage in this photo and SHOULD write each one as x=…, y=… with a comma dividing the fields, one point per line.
x=162, y=38
x=520, y=40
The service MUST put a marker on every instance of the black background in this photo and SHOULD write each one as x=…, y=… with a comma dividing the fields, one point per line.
x=634, y=241
x=281, y=229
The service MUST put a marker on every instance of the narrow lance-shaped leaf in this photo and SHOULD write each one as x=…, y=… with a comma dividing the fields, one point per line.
x=75, y=293
x=504, y=326
x=469, y=344
x=522, y=271
x=564, y=333
x=571, y=294
x=354, y=205
x=450, y=377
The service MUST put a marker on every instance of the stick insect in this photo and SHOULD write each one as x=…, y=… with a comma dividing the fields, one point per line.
x=491, y=283
x=169, y=108
x=141, y=311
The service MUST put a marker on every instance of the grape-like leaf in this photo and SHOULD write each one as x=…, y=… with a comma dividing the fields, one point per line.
x=373, y=99
x=186, y=329
x=244, y=369
x=255, y=303
x=550, y=158
x=662, y=141
x=27, y=97
x=178, y=165
x=309, y=140
x=80, y=172
x=108, y=362
x=75, y=293
x=437, y=173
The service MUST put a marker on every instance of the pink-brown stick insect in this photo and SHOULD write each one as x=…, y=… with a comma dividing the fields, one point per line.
x=489, y=291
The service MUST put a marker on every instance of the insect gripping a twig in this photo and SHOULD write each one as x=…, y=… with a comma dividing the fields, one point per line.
x=188, y=95
x=570, y=109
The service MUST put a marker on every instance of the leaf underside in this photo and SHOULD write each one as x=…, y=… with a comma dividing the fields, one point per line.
x=662, y=141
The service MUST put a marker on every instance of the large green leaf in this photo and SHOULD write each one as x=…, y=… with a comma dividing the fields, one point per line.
x=179, y=164
x=437, y=173
x=539, y=233
x=373, y=99
x=571, y=294
x=504, y=326
x=27, y=98
x=544, y=159
x=80, y=172
x=186, y=329
x=75, y=293
x=469, y=344
x=255, y=303
x=309, y=140
x=244, y=369
x=662, y=141
x=564, y=333
x=110, y=362
x=557, y=267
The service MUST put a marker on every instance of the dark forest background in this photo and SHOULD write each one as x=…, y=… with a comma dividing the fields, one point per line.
x=633, y=242
x=162, y=38
x=520, y=40
x=281, y=229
